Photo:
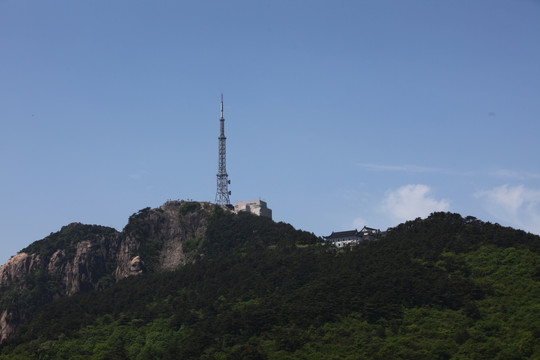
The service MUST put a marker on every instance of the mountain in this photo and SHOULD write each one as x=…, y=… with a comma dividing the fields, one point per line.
x=212, y=284
x=90, y=257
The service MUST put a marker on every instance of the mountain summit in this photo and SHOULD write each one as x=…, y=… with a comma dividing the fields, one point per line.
x=91, y=257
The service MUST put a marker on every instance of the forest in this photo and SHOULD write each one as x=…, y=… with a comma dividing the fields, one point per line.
x=444, y=287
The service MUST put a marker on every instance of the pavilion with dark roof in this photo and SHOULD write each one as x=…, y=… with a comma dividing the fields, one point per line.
x=351, y=237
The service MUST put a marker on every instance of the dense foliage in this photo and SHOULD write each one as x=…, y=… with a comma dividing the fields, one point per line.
x=440, y=288
x=67, y=239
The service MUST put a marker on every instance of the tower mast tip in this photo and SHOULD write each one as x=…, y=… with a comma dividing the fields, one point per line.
x=222, y=105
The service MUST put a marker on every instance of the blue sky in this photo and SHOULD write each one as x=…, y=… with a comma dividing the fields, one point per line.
x=339, y=114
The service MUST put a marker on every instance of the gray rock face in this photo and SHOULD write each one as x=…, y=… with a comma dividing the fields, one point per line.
x=17, y=267
x=89, y=259
x=7, y=328
x=126, y=254
x=176, y=231
x=12, y=272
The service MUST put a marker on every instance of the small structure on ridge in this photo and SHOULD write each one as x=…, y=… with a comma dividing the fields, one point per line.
x=352, y=237
x=256, y=207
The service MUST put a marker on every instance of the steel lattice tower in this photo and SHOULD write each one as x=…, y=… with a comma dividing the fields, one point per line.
x=222, y=194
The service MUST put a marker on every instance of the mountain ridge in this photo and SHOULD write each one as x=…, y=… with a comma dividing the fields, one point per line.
x=253, y=288
x=83, y=257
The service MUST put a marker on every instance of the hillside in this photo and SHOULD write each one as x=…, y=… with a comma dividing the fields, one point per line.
x=445, y=287
x=90, y=257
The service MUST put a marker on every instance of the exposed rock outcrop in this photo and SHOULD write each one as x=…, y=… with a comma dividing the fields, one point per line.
x=176, y=231
x=18, y=267
x=126, y=254
x=88, y=257
x=7, y=328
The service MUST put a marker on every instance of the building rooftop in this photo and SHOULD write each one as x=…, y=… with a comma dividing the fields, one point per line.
x=342, y=234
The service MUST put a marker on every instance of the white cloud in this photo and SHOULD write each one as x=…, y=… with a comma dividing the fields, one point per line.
x=412, y=201
x=516, y=205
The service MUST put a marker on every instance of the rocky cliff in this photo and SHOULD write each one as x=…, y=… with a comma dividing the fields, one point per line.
x=90, y=257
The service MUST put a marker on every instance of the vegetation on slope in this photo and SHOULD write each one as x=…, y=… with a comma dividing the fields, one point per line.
x=67, y=239
x=87, y=257
x=440, y=288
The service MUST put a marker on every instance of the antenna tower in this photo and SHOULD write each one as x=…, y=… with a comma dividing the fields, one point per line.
x=222, y=194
